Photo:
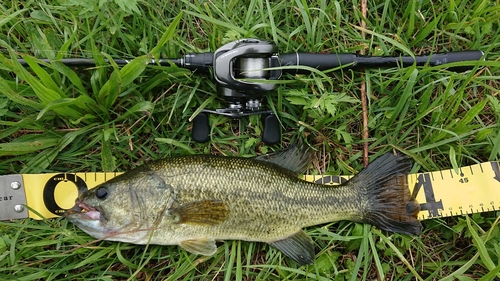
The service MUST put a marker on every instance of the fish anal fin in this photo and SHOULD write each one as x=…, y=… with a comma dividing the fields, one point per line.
x=202, y=246
x=205, y=212
x=299, y=247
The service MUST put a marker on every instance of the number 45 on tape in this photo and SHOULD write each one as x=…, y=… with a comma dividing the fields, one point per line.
x=473, y=189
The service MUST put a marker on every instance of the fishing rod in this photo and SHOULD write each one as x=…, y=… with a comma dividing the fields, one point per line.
x=245, y=69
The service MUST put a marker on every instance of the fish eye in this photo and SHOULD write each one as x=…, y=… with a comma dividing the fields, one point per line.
x=102, y=192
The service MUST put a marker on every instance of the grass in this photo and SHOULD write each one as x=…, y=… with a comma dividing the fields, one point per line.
x=55, y=118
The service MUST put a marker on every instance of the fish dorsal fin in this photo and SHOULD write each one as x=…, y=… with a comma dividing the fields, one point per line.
x=207, y=212
x=299, y=247
x=295, y=158
x=202, y=246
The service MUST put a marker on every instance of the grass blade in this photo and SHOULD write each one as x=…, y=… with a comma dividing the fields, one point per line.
x=16, y=97
x=24, y=147
x=169, y=33
x=480, y=245
x=398, y=253
x=120, y=79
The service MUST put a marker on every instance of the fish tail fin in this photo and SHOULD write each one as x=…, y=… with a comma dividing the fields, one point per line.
x=390, y=206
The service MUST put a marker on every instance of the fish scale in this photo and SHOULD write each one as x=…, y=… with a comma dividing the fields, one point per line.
x=263, y=197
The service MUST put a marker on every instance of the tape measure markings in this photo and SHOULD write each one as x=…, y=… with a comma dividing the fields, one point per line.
x=476, y=189
x=440, y=193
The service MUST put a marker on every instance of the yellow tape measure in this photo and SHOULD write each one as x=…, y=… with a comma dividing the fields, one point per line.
x=473, y=189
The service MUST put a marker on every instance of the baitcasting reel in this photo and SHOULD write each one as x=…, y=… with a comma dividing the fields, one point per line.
x=240, y=69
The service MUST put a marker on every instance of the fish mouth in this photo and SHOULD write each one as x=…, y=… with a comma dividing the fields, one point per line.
x=84, y=211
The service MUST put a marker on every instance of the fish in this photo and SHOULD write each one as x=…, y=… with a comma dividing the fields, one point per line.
x=196, y=200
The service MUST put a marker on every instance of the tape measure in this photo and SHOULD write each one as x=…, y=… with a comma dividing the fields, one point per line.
x=44, y=195
x=471, y=189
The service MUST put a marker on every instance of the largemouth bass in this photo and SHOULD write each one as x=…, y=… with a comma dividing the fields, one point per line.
x=194, y=201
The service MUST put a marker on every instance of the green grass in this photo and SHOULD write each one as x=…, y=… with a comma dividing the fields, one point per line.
x=55, y=118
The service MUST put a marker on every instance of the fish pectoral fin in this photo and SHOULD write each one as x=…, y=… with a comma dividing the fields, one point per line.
x=202, y=246
x=299, y=247
x=207, y=212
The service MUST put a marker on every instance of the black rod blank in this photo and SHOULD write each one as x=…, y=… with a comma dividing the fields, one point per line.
x=203, y=61
x=91, y=62
x=352, y=61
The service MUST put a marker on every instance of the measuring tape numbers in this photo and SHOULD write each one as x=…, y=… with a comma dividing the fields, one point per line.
x=471, y=189
x=474, y=189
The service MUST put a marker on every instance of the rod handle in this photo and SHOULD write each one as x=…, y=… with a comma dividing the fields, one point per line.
x=329, y=61
x=314, y=60
x=459, y=56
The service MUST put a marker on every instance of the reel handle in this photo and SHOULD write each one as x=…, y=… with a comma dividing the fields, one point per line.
x=270, y=135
